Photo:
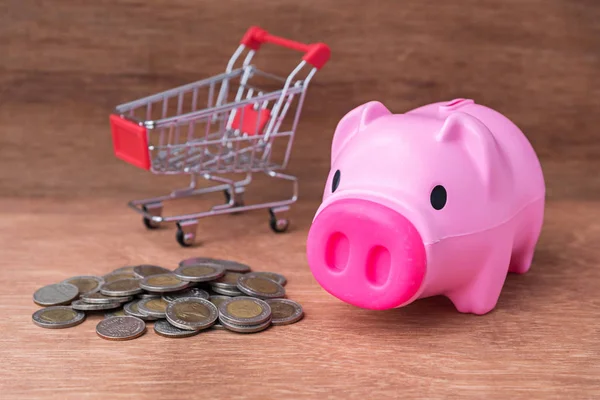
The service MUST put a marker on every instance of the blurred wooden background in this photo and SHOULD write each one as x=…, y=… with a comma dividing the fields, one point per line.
x=65, y=64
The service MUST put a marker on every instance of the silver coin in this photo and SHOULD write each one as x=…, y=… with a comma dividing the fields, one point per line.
x=199, y=273
x=56, y=294
x=122, y=287
x=133, y=310
x=285, y=311
x=86, y=283
x=270, y=275
x=83, y=306
x=164, y=328
x=192, y=313
x=193, y=292
x=99, y=298
x=146, y=295
x=227, y=281
x=263, y=288
x=143, y=271
x=163, y=283
x=57, y=317
x=156, y=308
x=227, y=292
x=244, y=311
x=116, y=313
x=246, y=328
x=121, y=328
x=232, y=266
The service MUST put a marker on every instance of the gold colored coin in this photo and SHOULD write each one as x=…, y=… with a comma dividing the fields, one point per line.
x=154, y=307
x=163, y=280
x=156, y=304
x=263, y=285
x=86, y=284
x=218, y=300
x=282, y=310
x=143, y=271
x=127, y=269
x=270, y=275
x=163, y=283
x=285, y=311
x=134, y=307
x=98, y=297
x=260, y=287
x=192, y=312
x=58, y=315
x=230, y=277
x=123, y=284
x=244, y=309
x=118, y=313
x=118, y=276
x=122, y=287
x=198, y=270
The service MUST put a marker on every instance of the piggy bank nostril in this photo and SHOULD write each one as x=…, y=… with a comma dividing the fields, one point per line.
x=336, y=252
x=378, y=265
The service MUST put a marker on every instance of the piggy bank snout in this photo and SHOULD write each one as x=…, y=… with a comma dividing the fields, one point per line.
x=366, y=254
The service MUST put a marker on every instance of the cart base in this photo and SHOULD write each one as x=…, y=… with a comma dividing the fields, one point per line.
x=187, y=224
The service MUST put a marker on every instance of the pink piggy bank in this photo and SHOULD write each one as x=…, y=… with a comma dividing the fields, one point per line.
x=445, y=200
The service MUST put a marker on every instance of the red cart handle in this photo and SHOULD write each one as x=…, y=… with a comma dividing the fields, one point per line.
x=316, y=54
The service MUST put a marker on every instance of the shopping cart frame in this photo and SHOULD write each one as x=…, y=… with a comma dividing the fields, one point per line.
x=243, y=122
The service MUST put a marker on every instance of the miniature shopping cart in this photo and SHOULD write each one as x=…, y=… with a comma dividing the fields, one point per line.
x=233, y=123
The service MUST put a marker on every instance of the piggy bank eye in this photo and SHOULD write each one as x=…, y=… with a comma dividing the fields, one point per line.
x=438, y=197
x=336, y=181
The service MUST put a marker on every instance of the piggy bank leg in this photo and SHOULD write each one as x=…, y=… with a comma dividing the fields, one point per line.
x=481, y=294
x=521, y=259
x=531, y=219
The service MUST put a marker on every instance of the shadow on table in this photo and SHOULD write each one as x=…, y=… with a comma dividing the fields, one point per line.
x=526, y=294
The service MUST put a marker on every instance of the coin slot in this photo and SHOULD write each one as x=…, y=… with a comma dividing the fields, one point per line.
x=378, y=265
x=337, y=251
x=455, y=104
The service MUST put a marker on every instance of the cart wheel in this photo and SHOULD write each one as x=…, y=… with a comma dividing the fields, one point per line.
x=148, y=222
x=239, y=202
x=278, y=225
x=180, y=236
x=186, y=232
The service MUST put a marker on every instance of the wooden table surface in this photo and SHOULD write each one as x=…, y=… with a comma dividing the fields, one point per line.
x=65, y=64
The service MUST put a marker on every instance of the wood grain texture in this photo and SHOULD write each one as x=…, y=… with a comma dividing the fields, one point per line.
x=65, y=64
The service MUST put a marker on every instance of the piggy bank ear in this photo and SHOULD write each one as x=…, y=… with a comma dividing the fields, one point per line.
x=476, y=139
x=354, y=122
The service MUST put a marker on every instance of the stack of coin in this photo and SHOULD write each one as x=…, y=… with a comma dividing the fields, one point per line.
x=245, y=314
x=232, y=266
x=227, y=284
x=217, y=300
x=201, y=294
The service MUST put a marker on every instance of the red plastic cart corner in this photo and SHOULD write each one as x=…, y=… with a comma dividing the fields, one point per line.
x=130, y=142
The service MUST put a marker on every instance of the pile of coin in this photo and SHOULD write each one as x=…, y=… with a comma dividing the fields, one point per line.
x=201, y=293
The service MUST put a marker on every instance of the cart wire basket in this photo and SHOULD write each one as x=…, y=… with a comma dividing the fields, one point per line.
x=240, y=122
